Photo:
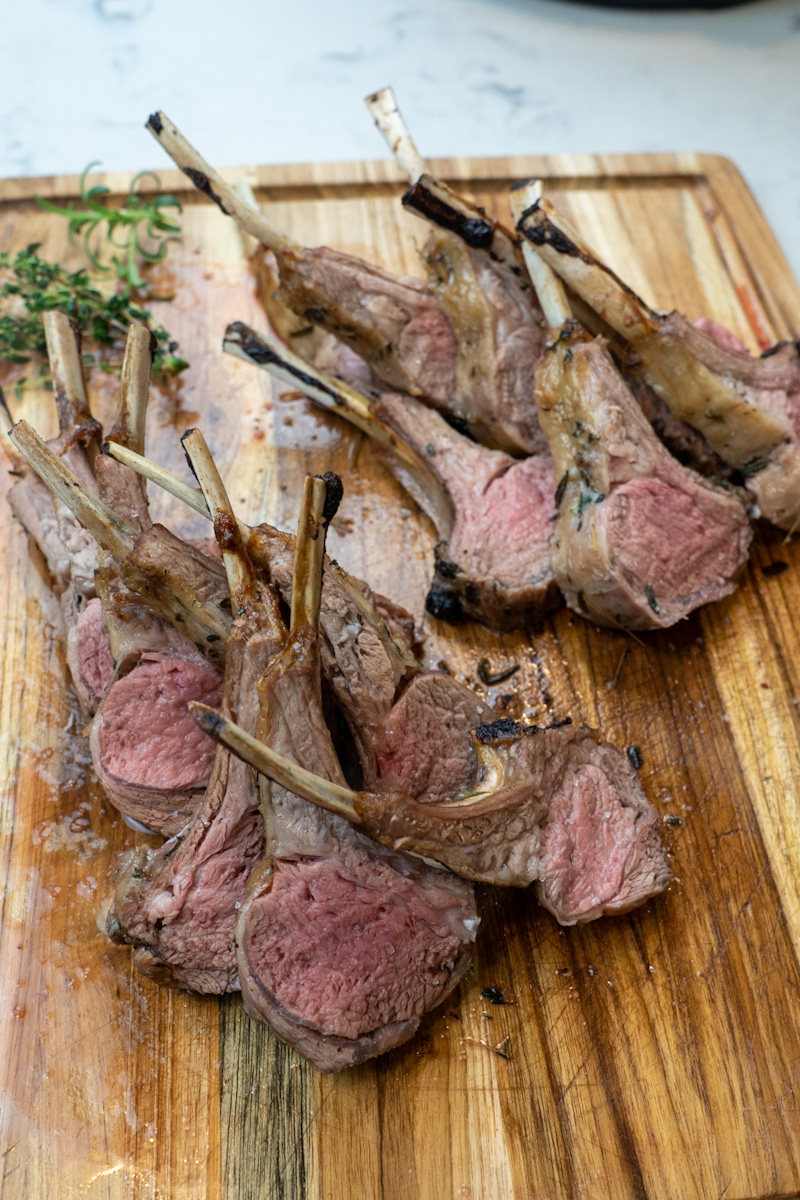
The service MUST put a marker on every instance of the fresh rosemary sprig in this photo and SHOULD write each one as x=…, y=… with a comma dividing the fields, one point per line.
x=140, y=230
x=128, y=229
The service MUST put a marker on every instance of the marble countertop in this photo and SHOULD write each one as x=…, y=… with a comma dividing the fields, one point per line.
x=268, y=81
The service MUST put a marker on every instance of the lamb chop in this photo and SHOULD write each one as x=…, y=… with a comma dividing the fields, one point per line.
x=491, y=512
x=177, y=906
x=476, y=270
x=639, y=541
x=413, y=340
x=495, y=802
x=325, y=900
x=70, y=552
x=748, y=409
x=145, y=750
x=342, y=946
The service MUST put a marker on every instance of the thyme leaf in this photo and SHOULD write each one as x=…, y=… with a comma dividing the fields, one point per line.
x=753, y=466
x=651, y=599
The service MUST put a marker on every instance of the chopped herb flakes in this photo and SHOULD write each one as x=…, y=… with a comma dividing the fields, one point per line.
x=651, y=599
x=589, y=495
x=753, y=466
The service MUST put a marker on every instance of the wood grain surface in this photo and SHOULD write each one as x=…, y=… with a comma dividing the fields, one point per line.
x=655, y=1055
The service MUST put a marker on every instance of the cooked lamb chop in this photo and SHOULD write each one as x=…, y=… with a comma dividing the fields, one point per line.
x=341, y=945
x=495, y=802
x=413, y=341
x=147, y=755
x=70, y=552
x=476, y=270
x=640, y=541
x=178, y=906
x=319, y=908
x=143, y=749
x=491, y=512
x=747, y=408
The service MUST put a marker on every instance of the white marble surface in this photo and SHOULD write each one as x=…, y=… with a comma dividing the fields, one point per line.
x=282, y=80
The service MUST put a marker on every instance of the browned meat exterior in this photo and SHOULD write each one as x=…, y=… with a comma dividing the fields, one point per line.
x=640, y=541
x=501, y=338
x=392, y=321
x=684, y=442
x=365, y=663
x=745, y=407
x=494, y=564
x=766, y=453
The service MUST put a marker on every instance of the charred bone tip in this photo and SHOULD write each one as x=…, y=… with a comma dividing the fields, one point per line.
x=155, y=122
x=209, y=720
x=333, y=495
x=475, y=232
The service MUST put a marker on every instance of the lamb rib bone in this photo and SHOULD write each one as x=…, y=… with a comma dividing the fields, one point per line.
x=744, y=407
x=386, y=115
x=211, y=184
x=548, y=286
x=338, y=397
x=491, y=512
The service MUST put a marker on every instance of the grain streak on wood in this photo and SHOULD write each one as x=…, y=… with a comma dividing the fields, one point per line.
x=651, y=1056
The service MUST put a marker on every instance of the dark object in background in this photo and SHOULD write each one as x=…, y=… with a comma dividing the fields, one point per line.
x=661, y=5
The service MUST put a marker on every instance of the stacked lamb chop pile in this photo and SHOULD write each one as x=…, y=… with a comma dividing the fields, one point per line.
x=339, y=904
x=549, y=465
x=327, y=802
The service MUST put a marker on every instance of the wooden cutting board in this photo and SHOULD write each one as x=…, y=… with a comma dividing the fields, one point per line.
x=655, y=1055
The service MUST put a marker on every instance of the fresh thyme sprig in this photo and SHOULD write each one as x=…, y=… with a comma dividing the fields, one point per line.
x=123, y=228
x=41, y=286
x=140, y=230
